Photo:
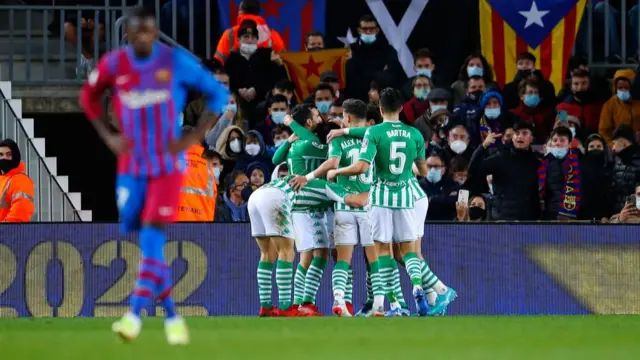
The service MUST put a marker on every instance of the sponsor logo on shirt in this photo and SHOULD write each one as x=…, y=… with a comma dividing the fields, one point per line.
x=141, y=99
x=163, y=75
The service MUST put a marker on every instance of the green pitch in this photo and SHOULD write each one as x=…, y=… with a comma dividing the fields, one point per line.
x=468, y=338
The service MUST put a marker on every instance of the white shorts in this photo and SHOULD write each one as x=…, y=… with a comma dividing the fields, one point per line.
x=270, y=213
x=351, y=226
x=330, y=216
x=397, y=225
x=421, y=207
x=311, y=231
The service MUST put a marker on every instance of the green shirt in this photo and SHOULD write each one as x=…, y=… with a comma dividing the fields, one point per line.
x=347, y=149
x=318, y=195
x=304, y=155
x=393, y=147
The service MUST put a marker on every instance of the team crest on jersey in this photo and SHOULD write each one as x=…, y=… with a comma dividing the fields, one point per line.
x=163, y=75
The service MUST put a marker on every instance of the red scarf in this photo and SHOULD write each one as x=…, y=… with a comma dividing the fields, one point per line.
x=571, y=193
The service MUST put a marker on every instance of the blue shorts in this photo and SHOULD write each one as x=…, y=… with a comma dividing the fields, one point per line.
x=147, y=200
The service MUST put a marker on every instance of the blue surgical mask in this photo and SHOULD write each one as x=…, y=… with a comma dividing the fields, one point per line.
x=421, y=93
x=424, y=72
x=216, y=172
x=558, y=153
x=435, y=108
x=492, y=113
x=279, y=143
x=434, y=175
x=475, y=71
x=278, y=116
x=232, y=107
x=623, y=95
x=532, y=100
x=323, y=106
x=368, y=38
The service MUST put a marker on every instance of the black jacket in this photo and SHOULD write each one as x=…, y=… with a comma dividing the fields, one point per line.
x=554, y=188
x=626, y=174
x=511, y=95
x=515, y=182
x=442, y=198
x=596, y=178
x=366, y=61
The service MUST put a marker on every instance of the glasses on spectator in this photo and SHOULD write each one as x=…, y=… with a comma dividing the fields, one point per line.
x=242, y=185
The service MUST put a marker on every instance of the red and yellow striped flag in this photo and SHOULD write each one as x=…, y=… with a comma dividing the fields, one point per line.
x=501, y=44
x=304, y=68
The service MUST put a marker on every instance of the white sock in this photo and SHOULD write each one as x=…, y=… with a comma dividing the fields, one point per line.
x=378, y=301
x=440, y=288
x=394, y=305
x=431, y=297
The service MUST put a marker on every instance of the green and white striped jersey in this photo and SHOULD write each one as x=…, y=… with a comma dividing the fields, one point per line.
x=393, y=147
x=347, y=149
x=282, y=184
x=418, y=193
x=318, y=195
x=305, y=156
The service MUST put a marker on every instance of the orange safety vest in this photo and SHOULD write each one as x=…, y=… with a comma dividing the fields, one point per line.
x=16, y=196
x=267, y=38
x=199, y=189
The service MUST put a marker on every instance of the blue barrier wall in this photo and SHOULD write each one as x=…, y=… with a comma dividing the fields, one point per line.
x=499, y=269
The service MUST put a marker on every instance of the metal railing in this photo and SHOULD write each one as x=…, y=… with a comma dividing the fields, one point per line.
x=51, y=202
x=54, y=44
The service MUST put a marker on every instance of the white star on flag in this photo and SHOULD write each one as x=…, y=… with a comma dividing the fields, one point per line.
x=534, y=16
x=349, y=39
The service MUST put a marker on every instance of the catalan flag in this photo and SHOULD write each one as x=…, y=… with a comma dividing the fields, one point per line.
x=545, y=28
x=304, y=68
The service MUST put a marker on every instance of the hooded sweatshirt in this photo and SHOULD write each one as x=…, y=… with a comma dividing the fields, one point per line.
x=262, y=157
x=617, y=112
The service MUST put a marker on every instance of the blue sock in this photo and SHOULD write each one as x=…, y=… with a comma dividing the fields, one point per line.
x=151, y=271
x=165, y=294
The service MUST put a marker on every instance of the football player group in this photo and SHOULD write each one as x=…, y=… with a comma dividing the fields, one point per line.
x=361, y=188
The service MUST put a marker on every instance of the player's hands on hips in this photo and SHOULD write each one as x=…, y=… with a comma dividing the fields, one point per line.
x=298, y=182
x=293, y=138
x=117, y=143
x=331, y=175
x=334, y=134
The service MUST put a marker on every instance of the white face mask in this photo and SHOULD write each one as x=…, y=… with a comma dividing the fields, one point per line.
x=458, y=146
x=235, y=146
x=252, y=149
x=248, y=48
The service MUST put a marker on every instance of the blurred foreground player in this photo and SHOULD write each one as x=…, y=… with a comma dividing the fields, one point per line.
x=149, y=82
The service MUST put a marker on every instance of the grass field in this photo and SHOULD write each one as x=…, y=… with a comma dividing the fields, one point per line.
x=495, y=338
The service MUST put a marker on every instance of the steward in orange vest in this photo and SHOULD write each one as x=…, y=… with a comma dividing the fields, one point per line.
x=267, y=38
x=199, y=188
x=16, y=187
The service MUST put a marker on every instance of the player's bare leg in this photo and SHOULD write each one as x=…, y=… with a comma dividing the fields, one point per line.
x=268, y=256
x=284, y=274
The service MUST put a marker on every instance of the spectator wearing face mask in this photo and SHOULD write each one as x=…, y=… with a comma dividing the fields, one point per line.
x=233, y=208
x=255, y=150
x=279, y=136
x=216, y=164
x=17, y=193
x=514, y=175
x=526, y=65
x=335, y=113
x=532, y=110
x=458, y=144
x=231, y=116
x=630, y=213
x=582, y=102
x=314, y=41
x=468, y=111
x=620, y=108
x=323, y=96
x=230, y=39
x=626, y=166
x=600, y=85
x=278, y=109
x=596, y=177
x=440, y=188
x=476, y=211
x=258, y=175
x=428, y=124
x=573, y=124
x=474, y=65
x=494, y=118
x=560, y=179
x=282, y=87
x=252, y=70
x=418, y=104
x=424, y=65
x=371, y=54
x=230, y=145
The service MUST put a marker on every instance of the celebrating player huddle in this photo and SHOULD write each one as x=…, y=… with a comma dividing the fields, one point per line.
x=377, y=203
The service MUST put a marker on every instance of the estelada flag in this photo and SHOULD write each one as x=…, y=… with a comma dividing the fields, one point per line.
x=304, y=68
x=545, y=28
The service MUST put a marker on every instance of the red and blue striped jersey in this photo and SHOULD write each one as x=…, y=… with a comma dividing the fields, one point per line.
x=148, y=96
